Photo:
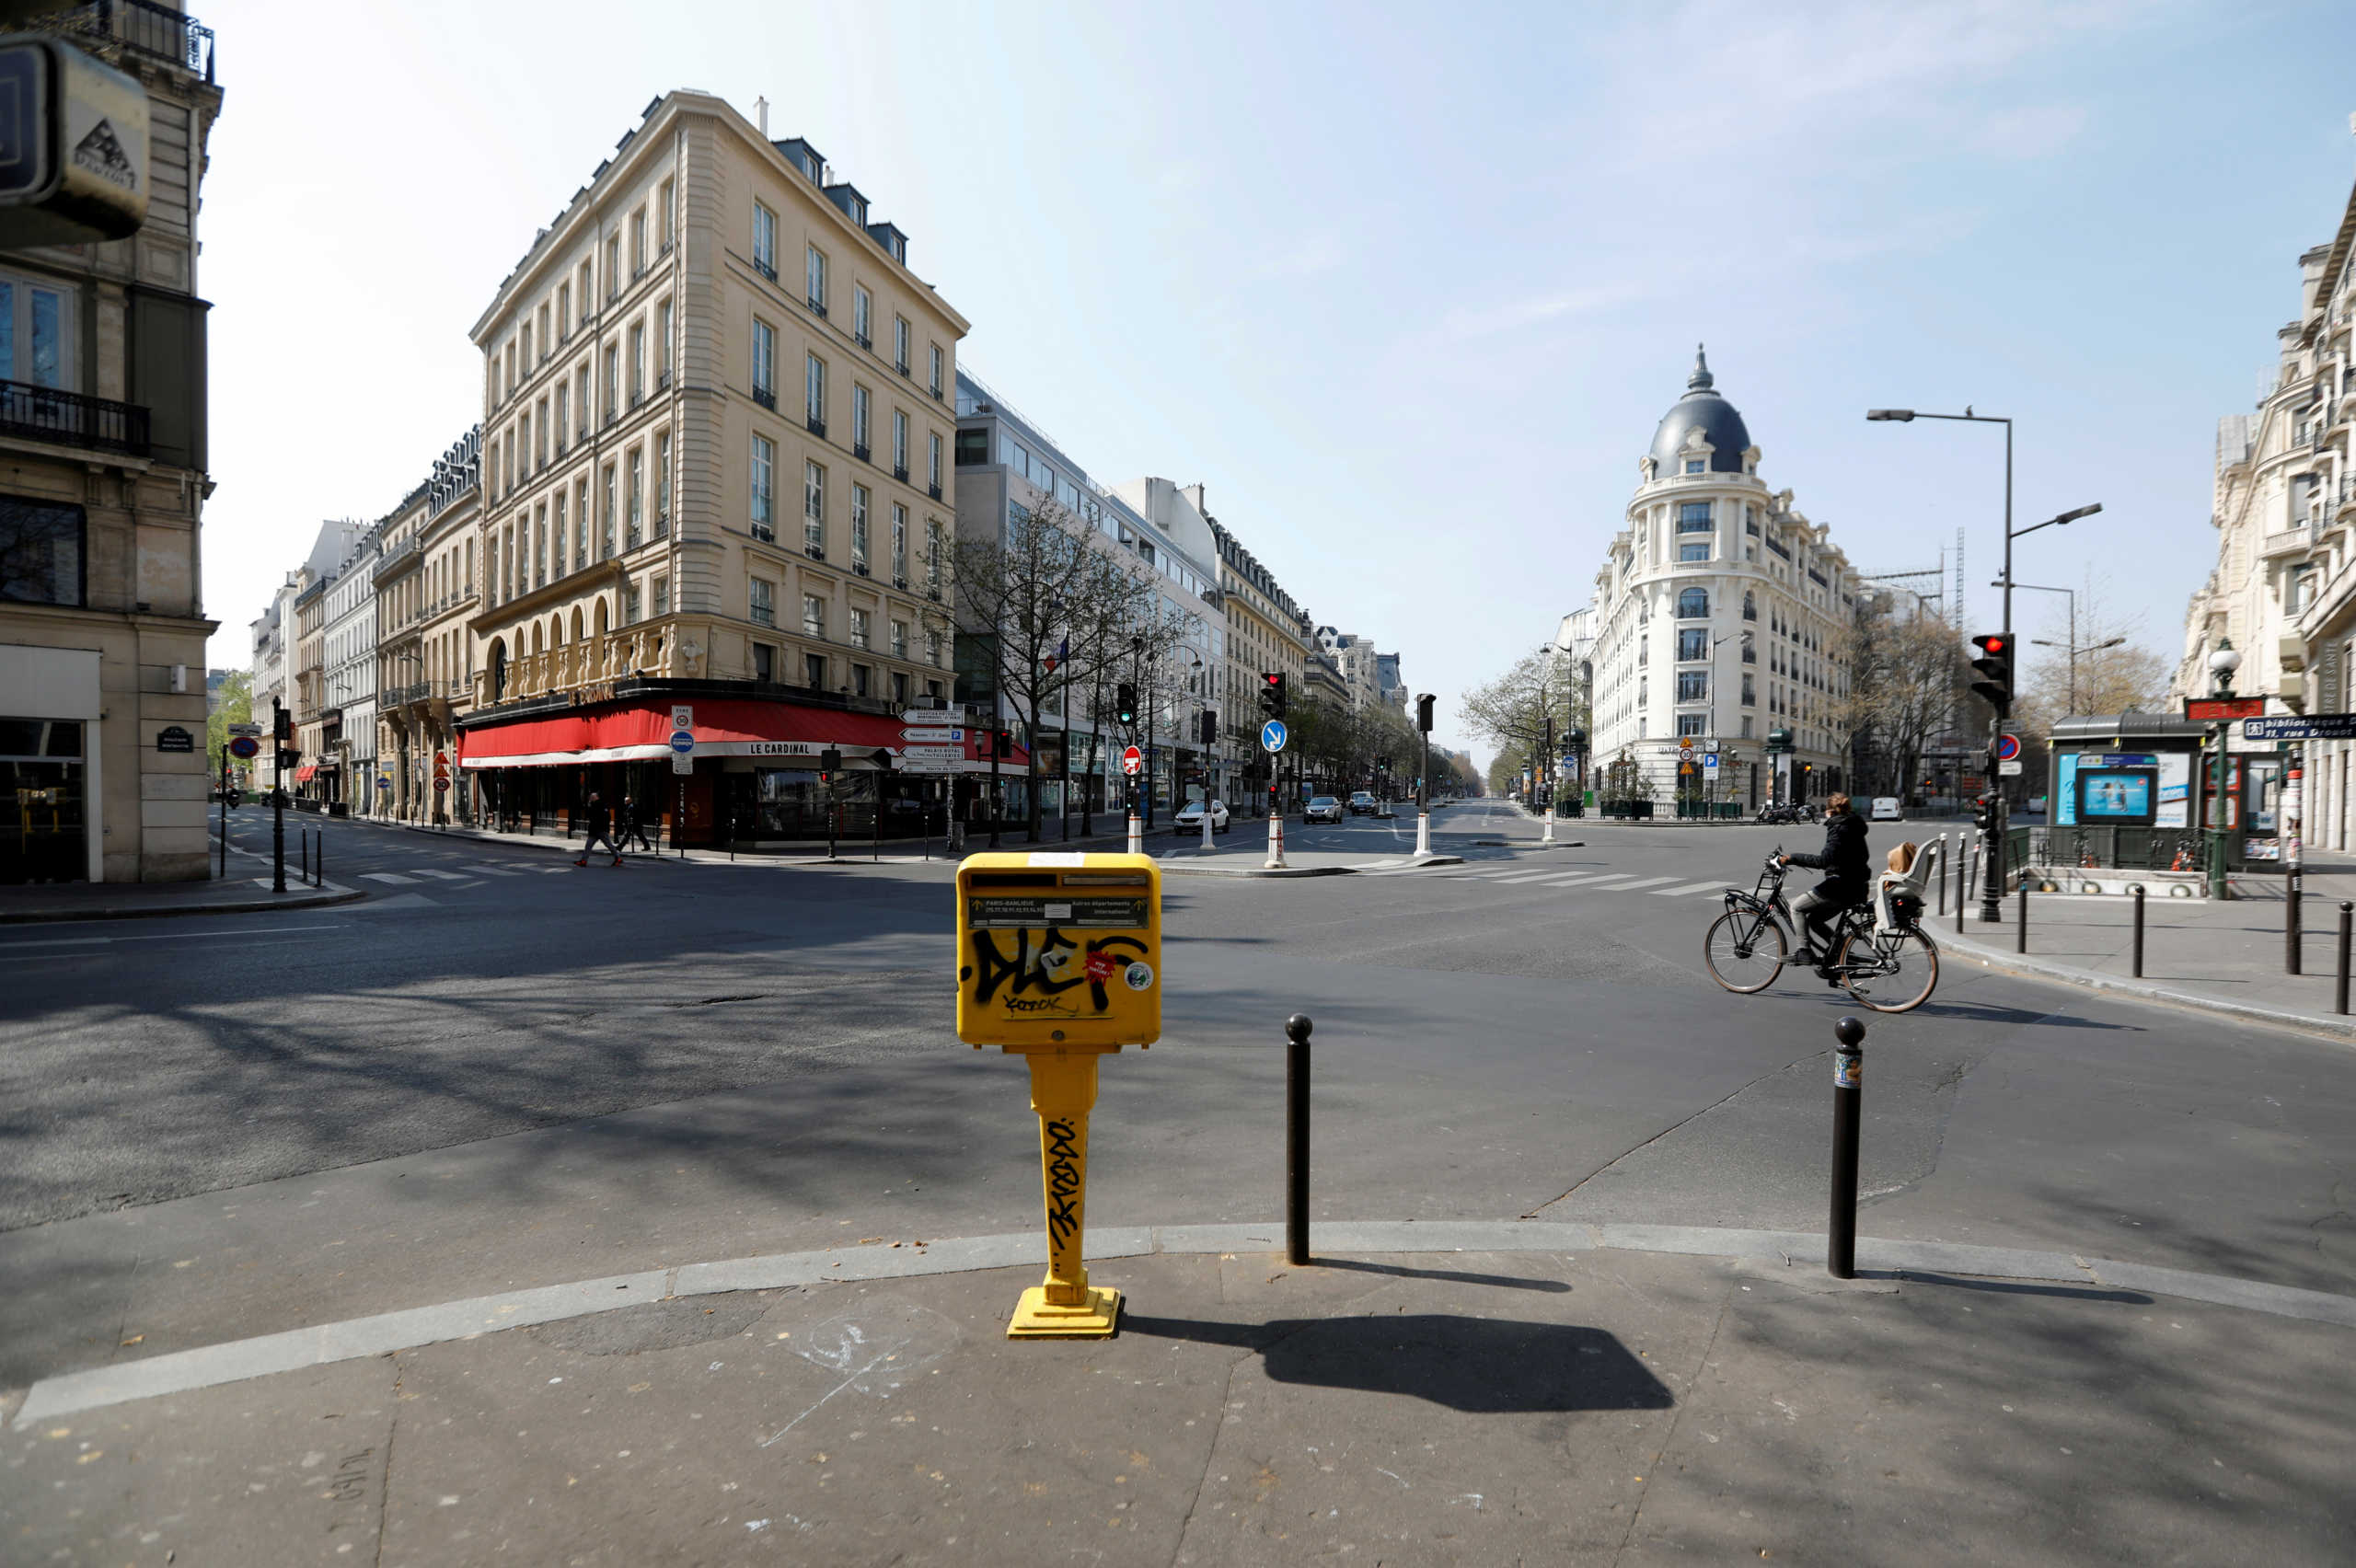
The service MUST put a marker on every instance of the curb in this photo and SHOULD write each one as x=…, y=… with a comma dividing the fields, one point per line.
x=1185, y=870
x=2030, y=968
x=332, y=893
x=384, y=1333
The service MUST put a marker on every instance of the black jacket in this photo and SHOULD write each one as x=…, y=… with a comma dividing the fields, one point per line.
x=1843, y=860
x=600, y=821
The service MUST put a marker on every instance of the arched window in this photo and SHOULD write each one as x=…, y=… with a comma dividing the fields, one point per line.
x=601, y=614
x=498, y=668
x=576, y=623
x=1694, y=605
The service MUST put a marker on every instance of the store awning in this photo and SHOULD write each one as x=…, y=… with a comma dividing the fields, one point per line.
x=304, y=773
x=641, y=733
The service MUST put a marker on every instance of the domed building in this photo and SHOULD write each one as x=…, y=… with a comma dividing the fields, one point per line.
x=1717, y=627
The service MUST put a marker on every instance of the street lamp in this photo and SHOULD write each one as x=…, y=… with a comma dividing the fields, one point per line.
x=2222, y=666
x=1715, y=643
x=1992, y=895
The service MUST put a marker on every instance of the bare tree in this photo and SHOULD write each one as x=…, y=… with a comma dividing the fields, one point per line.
x=1542, y=698
x=1043, y=600
x=1906, y=683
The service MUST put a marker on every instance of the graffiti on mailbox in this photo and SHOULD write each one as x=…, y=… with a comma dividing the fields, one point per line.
x=1063, y=1178
x=1039, y=978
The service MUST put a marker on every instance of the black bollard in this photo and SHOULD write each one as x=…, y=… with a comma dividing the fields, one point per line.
x=2138, y=891
x=2020, y=921
x=2340, y=1001
x=1848, y=1086
x=1296, y=1030
x=1963, y=894
x=2290, y=922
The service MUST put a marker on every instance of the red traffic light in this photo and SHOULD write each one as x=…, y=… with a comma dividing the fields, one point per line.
x=1990, y=643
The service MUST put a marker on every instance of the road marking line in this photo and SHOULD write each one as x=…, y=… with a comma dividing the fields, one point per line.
x=394, y=878
x=494, y=870
x=1644, y=882
x=1521, y=877
x=446, y=876
x=1681, y=892
x=7, y=947
x=1567, y=878
x=1628, y=877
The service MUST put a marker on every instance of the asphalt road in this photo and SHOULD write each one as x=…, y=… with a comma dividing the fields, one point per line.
x=504, y=1070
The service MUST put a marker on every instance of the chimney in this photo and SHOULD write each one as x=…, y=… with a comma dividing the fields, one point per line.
x=761, y=115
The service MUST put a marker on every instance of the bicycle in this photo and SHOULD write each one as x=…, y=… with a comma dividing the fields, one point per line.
x=1746, y=948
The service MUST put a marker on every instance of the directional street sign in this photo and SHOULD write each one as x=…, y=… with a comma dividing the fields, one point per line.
x=2314, y=727
x=932, y=734
x=2008, y=766
x=929, y=765
x=1272, y=736
x=2008, y=748
x=948, y=753
x=245, y=729
x=933, y=715
x=1133, y=760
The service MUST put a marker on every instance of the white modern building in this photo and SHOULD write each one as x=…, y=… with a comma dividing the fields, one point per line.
x=1717, y=624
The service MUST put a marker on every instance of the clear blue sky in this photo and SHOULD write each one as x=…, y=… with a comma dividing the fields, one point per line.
x=1408, y=288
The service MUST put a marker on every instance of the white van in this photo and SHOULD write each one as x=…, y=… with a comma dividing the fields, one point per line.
x=1886, y=809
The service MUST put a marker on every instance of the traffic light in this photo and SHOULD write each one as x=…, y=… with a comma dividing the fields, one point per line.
x=1984, y=813
x=1272, y=693
x=1995, y=668
x=830, y=762
x=1125, y=703
x=1423, y=713
x=1004, y=740
x=282, y=724
x=1210, y=728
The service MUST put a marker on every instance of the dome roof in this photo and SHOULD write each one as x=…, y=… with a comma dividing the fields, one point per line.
x=1722, y=427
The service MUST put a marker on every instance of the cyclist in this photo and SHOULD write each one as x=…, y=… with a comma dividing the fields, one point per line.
x=1847, y=880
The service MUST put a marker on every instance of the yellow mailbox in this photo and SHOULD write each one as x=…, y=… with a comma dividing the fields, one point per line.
x=1060, y=959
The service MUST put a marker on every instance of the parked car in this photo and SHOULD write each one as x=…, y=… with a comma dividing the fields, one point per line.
x=1322, y=808
x=1190, y=817
x=1886, y=809
x=1363, y=803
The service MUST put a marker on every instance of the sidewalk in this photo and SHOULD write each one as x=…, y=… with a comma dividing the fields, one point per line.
x=2226, y=958
x=235, y=895
x=1500, y=1392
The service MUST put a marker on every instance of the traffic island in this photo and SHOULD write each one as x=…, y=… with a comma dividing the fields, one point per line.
x=148, y=901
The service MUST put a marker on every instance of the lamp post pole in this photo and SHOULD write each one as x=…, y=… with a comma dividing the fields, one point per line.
x=1992, y=892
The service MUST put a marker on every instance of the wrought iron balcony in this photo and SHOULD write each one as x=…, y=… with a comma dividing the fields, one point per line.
x=136, y=27
x=70, y=418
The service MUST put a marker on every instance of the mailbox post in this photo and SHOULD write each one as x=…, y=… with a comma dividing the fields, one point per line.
x=1059, y=961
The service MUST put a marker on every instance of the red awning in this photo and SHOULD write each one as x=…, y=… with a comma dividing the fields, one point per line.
x=303, y=773
x=641, y=731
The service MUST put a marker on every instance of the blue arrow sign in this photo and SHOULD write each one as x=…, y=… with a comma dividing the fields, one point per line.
x=1271, y=736
x=683, y=742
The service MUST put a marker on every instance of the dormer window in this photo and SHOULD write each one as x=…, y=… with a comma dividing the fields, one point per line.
x=1694, y=465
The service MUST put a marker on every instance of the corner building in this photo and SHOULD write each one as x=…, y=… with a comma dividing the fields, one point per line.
x=715, y=475
x=1718, y=620
x=104, y=474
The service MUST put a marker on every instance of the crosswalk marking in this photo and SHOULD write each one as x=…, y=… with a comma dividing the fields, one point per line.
x=494, y=872
x=394, y=878
x=1681, y=892
x=1620, y=877
x=1644, y=882
x=1568, y=878
x=1511, y=877
x=444, y=876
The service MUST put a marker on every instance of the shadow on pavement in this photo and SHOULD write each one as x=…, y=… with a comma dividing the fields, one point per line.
x=1481, y=1365
x=1399, y=1271
x=1981, y=1012
x=2010, y=1286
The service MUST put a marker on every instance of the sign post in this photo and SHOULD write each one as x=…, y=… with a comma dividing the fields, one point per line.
x=682, y=763
x=1060, y=959
x=1133, y=764
x=1273, y=736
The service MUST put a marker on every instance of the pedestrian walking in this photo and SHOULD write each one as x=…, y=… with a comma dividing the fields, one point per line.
x=634, y=818
x=600, y=828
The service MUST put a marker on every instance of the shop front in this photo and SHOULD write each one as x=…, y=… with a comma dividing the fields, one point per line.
x=44, y=835
x=754, y=781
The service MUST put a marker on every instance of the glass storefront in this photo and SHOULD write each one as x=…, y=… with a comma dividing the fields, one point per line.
x=44, y=837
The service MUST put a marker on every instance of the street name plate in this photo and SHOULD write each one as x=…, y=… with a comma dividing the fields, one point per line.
x=933, y=715
x=245, y=729
x=2312, y=727
x=929, y=765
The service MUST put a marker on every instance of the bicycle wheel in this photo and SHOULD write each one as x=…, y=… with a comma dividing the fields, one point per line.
x=1899, y=973
x=1744, y=950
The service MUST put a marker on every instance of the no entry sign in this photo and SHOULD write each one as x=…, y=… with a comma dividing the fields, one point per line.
x=1132, y=762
